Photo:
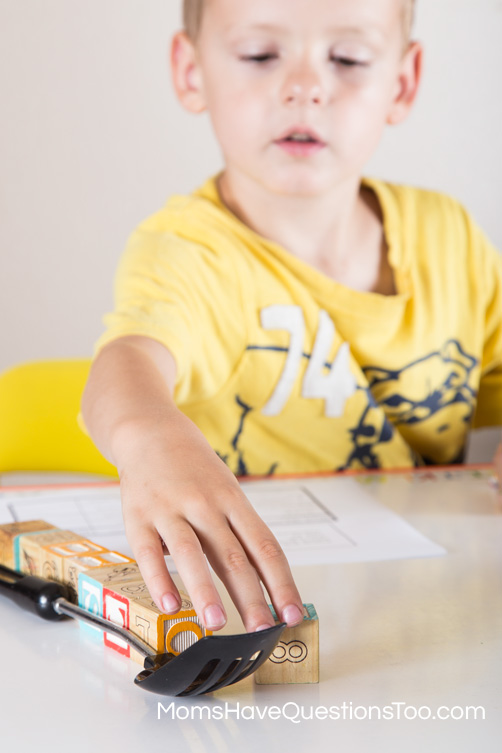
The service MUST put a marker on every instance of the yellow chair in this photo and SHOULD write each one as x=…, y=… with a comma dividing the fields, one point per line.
x=39, y=405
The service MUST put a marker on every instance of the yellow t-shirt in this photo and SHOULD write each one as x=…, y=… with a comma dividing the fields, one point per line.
x=285, y=370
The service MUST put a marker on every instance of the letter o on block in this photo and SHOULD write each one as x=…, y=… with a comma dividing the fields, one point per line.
x=189, y=632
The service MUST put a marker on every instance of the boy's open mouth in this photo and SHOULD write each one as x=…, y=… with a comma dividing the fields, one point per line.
x=301, y=134
x=300, y=142
x=301, y=137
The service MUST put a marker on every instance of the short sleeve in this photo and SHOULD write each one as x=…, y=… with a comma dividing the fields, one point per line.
x=184, y=295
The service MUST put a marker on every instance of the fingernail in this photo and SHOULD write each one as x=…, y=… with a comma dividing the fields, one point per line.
x=214, y=617
x=263, y=627
x=292, y=614
x=170, y=604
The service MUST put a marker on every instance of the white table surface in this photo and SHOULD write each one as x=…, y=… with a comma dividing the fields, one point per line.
x=419, y=634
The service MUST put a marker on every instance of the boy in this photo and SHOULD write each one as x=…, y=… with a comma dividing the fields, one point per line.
x=288, y=316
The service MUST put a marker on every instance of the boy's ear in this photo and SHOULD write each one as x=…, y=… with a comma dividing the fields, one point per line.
x=186, y=74
x=407, y=84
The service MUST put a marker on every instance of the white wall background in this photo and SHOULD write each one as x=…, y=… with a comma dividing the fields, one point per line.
x=92, y=141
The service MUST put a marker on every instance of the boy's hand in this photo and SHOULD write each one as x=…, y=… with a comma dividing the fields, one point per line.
x=176, y=490
x=178, y=496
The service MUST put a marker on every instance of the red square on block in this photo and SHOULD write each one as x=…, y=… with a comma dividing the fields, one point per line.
x=116, y=609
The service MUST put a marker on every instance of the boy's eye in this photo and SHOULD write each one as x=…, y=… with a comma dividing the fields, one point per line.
x=347, y=62
x=263, y=57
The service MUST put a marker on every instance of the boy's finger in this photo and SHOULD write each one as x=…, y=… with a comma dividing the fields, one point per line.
x=266, y=554
x=147, y=548
x=239, y=576
x=192, y=566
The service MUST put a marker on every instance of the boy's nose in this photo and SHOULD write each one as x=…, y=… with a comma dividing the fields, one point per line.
x=303, y=87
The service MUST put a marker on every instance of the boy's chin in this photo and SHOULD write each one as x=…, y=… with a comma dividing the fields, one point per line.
x=300, y=187
x=306, y=181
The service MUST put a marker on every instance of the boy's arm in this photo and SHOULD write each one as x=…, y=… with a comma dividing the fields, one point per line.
x=176, y=490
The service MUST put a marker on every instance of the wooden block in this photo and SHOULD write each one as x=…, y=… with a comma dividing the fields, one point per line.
x=93, y=584
x=53, y=560
x=171, y=633
x=10, y=531
x=106, y=583
x=113, y=607
x=29, y=554
x=90, y=590
x=116, y=609
x=115, y=578
x=181, y=630
x=120, y=594
x=164, y=633
x=295, y=659
x=73, y=566
x=112, y=593
x=141, y=617
x=117, y=573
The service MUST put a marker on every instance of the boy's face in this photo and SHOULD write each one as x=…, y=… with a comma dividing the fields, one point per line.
x=298, y=92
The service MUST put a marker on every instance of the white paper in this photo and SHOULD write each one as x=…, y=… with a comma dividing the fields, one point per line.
x=330, y=520
x=316, y=520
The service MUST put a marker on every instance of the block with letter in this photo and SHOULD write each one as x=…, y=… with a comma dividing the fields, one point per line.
x=123, y=605
x=10, y=531
x=91, y=584
x=94, y=583
x=53, y=557
x=30, y=554
x=111, y=592
x=295, y=659
x=119, y=573
x=81, y=563
x=104, y=582
x=164, y=633
x=116, y=609
x=120, y=594
x=171, y=633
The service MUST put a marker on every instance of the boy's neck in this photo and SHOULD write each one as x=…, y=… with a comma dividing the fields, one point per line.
x=339, y=233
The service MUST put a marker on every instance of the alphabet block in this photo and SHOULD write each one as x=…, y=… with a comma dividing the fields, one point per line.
x=106, y=583
x=97, y=586
x=116, y=609
x=295, y=659
x=10, y=531
x=73, y=566
x=90, y=589
x=29, y=554
x=54, y=558
x=171, y=633
x=120, y=594
x=119, y=573
x=97, y=589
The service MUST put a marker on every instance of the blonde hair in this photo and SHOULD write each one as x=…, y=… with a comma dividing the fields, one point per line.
x=192, y=16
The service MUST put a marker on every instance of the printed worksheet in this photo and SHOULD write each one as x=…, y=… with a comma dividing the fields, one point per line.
x=329, y=520
x=316, y=520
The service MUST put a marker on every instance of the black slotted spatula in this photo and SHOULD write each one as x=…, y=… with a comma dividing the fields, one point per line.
x=212, y=663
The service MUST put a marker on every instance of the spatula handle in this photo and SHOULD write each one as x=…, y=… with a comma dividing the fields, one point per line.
x=32, y=593
x=50, y=600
